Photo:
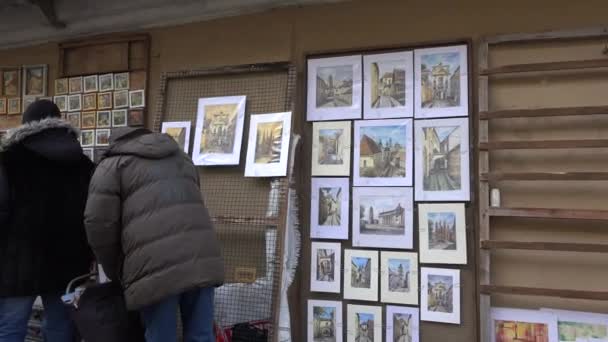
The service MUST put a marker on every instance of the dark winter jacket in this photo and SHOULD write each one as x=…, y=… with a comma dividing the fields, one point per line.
x=147, y=222
x=44, y=179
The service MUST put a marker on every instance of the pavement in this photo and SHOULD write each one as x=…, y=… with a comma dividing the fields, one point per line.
x=386, y=101
x=440, y=181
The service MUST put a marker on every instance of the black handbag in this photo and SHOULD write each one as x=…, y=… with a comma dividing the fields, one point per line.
x=246, y=332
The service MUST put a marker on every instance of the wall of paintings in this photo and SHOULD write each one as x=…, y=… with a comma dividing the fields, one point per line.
x=19, y=87
x=390, y=184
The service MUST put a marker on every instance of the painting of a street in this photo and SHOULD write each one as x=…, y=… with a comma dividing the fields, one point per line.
x=335, y=86
x=326, y=259
x=269, y=143
x=402, y=324
x=324, y=324
x=219, y=128
x=442, y=231
x=364, y=323
x=441, y=157
x=330, y=201
x=398, y=275
x=575, y=331
x=382, y=151
x=330, y=147
x=440, y=293
x=361, y=272
x=510, y=331
x=440, y=80
x=388, y=84
x=381, y=215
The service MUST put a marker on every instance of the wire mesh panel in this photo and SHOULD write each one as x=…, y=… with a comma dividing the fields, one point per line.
x=249, y=213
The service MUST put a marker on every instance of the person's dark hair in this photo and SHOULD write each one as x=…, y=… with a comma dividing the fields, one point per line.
x=40, y=110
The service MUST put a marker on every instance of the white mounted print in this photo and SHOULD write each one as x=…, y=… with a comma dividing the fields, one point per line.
x=329, y=212
x=364, y=323
x=399, y=278
x=402, y=324
x=325, y=321
x=325, y=267
x=219, y=130
x=268, y=145
x=440, y=295
x=442, y=160
x=180, y=132
x=383, y=217
x=331, y=148
x=334, y=88
x=388, y=81
x=513, y=325
x=576, y=326
x=442, y=233
x=361, y=275
x=441, y=82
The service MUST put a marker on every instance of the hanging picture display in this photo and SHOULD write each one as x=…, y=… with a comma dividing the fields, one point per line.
x=575, y=326
x=361, y=275
x=383, y=217
x=442, y=160
x=442, y=233
x=441, y=82
x=326, y=263
x=179, y=131
x=324, y=321
x=440, y=295
x=399, y=278
x=402, y=324
x=331, y=148
x=268, y=145
x=329, y=212
x=219, y=130
x=388, y=81
x=364, y=323
x=512, y=325
x=11, y=81
x=34, y=80
x=334, y=88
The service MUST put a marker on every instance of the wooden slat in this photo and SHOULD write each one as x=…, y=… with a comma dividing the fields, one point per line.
x=544, y=292
x=544, y=176
x=548, y=66
x=549, y=36
x=543, y=112
x=544, y=144
x=546, y=246
x=550, y=213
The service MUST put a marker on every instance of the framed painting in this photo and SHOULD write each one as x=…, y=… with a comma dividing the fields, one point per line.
x=121, y=81
x=334, y=88
x=119, y=118
x=75, y=85
x=34, y=80
x=388, y=85
x=514, y=325
x=74, y=103
x=106, y=82
x=104, y=119
x=11, y=82
x=441, y=82
x=402, y=324
x=331, y=148
x=27, y=101
x=179, y=131
x=218, y=134
x=137, y=99
x=104, y=100
x=3, y=105
x=121, y=99
x=62, y=102
x=576, y=326
x=383, y=217
x=13, y=106
x=440, y=295
x=89, y=102
x=88, y=120
x=442, y=233
x=87, y=138
x=102, y=137
x=62, y=86
x=91, y=84
x=136, y=117
x=329, y=211
x=399, y=278
x=361, y=275
x=442, y=160
x=268, y=145
x=383, y=153
x=325, y=267
x=364, y=323
x=73, y=119
x=324, y=321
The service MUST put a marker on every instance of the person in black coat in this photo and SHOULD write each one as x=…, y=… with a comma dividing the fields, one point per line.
x=44, y=179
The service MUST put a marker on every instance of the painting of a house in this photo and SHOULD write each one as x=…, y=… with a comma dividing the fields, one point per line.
x=440, y=80
x=382, y=151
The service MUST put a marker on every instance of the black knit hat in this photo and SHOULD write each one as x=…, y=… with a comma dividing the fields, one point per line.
x=40, y=110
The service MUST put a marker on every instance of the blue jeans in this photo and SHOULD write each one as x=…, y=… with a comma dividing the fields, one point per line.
x=15, y=313
x=196, y=307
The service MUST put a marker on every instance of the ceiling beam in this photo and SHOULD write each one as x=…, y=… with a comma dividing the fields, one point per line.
x=48, y=9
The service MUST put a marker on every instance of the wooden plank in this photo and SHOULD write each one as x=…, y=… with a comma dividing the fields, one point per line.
x=550, y=213
x=543, y=176
x=544, y=292
x=546, y=246
x=544, y=144
x=550, y=36
x=547, y=66
x=543, y=112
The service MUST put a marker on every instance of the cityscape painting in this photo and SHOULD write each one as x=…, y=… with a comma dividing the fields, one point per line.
x=440, y=295
x=442, y=228
x=331, y=148
x=364, y=323
x=330, y=208
x=324, y=321
x=180, y=132
x=326, y=267
x=402, y=324
x=361, y=275
x=399, y=282
x=388, y=82
x=268, y=145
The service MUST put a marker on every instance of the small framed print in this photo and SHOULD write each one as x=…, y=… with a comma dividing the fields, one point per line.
x=440, y=295
x=104, y=119
x=388, y=81
x=329, y=212
x=89, y=153
x=73, y=119
x=383, y=217
x=334, y=88
x=121, y=81
x=104, y=100
x=121, y=99
x=102, y=137
x=576, y=326
x=364, y=323
x=136, y=118
x=62, y=86
x=106, y=82
x=536, y=325
x=402, y=324
x=89, y=102
x=331, y=148
x=442, y=233
x=27, y=101
x=180, y=132
x=74, y=103
x=3, y=105
x=88, y=120
x=76, y=85
x=361, y=275
x=324, y=321
x=326, y=267
x=35, y=80
x=119, y=118
x=137, y=99
x=14, y=105
x=87, y=138
x=268, y=145
x=442, y=160
x=441, y=82
x=399, y=278
x=11, y=82
x=91, y=84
